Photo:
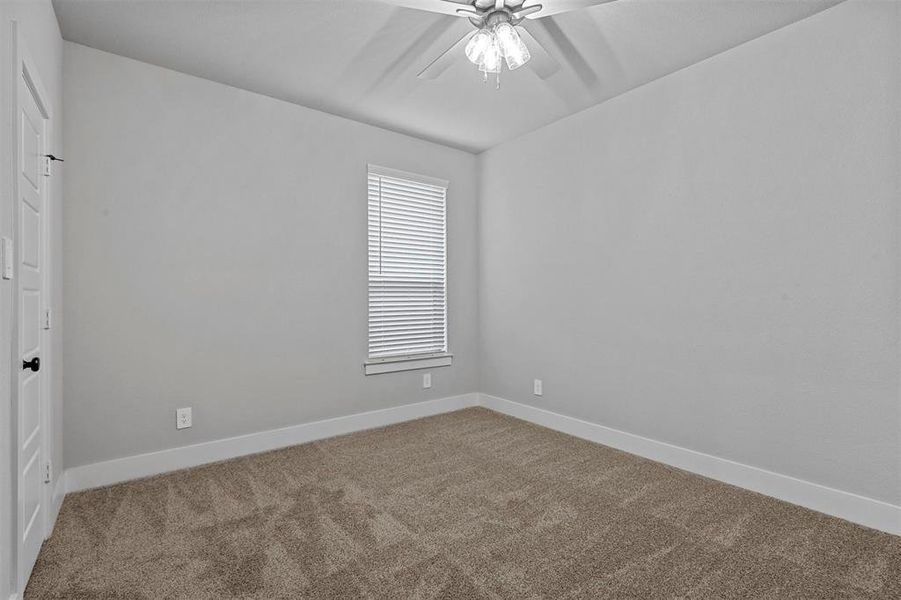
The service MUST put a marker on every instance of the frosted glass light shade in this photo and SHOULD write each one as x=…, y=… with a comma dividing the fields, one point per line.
x=491, y=58
x=477, y=45
x=514, y=51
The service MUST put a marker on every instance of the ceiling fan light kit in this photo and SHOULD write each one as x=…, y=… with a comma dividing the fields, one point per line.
x=495, y=43
x=500, y=39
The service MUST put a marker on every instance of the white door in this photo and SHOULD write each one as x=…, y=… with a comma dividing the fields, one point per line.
x=32, y=127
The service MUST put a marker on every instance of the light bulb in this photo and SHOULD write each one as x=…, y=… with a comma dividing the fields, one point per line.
x=491, y=57
x=477, y=45
x=512, y=47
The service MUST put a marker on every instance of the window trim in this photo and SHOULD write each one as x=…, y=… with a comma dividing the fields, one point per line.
x=393, y=364
x=398, y=174
x=410, y=362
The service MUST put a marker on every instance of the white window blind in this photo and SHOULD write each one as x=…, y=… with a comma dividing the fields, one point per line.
x=407, y=265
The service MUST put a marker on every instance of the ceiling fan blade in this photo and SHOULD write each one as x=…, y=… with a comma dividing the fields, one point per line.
x=454, y=8
x=556, y=7
x=542, y=63
x=551, y=36
x=446, y=59
x=364, y=80
x=525, y=12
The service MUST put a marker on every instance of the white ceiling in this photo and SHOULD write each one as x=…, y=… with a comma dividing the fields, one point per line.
x=359, y=58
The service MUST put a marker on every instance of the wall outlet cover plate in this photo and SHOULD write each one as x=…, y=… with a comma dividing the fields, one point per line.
x=183, y=418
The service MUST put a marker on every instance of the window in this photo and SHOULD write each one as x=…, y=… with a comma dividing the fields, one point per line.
x=407, y=272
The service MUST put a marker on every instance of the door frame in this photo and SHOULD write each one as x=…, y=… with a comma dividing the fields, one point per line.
x=23, y=65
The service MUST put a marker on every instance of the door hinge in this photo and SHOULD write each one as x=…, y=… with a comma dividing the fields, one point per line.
x=48, y=472
x=49, y=158
x=6, y=248
x=47, y=318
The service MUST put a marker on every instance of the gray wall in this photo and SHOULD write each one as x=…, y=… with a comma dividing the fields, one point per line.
x=216, y=258
x=712, y=260
x=36, y=23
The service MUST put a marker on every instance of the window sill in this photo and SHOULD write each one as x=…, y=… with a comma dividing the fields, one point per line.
x=377, y=366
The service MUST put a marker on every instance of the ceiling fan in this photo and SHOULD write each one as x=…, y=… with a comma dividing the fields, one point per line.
x=499, y=38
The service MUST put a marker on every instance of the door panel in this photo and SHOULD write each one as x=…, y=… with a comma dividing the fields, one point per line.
x=30, y=440
x=30, y=405
x=30, y=153
x=31, y=309
x=31, y=236
x=31, y=498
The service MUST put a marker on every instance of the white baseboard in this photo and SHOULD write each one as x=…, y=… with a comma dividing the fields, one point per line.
x=144, y=465
x=845, y=505
x=56, y=501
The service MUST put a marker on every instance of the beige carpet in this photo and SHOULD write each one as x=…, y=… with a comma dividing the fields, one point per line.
x=466, y=505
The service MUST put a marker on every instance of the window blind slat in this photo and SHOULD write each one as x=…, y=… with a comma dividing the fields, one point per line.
x=406, y=312
x=407, y=266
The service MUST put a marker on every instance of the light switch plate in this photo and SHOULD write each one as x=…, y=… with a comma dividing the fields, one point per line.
x=538, y=388
x=6, y=248
x=426, y=381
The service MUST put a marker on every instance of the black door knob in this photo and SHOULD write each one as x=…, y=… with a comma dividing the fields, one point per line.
x=34, y=364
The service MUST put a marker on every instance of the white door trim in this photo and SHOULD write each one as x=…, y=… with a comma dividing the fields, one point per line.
x=24, y=65
x=7, y=566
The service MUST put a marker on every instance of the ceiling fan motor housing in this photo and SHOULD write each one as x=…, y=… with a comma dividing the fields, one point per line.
x=493, y=18
x=497, y=17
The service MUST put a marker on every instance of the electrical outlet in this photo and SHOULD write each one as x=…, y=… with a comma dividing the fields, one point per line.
x=182, y=418
x=426, y=381
x=538, y=388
